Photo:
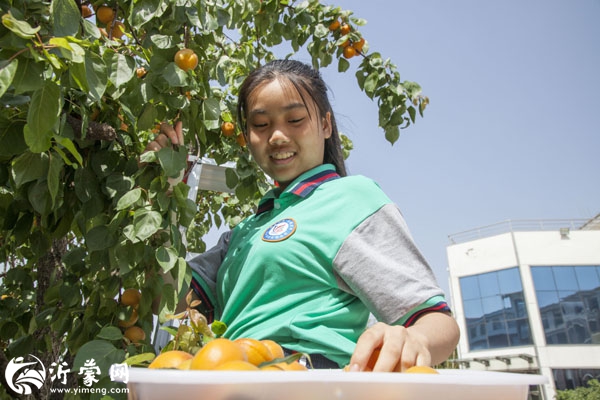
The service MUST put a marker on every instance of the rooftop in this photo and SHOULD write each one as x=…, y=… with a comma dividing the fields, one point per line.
x=526, y=225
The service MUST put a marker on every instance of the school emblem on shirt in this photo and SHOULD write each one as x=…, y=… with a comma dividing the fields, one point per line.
x=280, y=230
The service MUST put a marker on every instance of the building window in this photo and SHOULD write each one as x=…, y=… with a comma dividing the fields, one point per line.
x=569, y=298
x=566, y=379
x=495, y=310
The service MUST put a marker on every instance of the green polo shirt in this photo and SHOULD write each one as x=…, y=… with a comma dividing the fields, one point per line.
x=308, y=268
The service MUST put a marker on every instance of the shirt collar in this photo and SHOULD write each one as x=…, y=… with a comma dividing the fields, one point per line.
x=302, y=186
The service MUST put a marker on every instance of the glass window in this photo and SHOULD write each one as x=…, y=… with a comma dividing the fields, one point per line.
x=469, y=288
x=587, y=278
x=572, y=378
x=492, y=306
x=570, y=309
x=473, y=309
x=543, y=278
x=488, y=284
x=546, y=298
x=510, y=281
x=495, y=310
x=565, y=278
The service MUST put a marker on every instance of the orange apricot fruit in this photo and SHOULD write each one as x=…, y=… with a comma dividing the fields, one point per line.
x=228, y=128
x=105, y=14
x=345, y=29
x=170, y=359
x=256, y=351
x=216, y=352
x=349, y=52
x=186, y=59
x=236, y=365
x=421, y=369
x=274, y=347
x=135, y=334
x=131, y=297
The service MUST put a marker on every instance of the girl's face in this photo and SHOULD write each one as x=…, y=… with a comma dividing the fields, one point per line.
x=284, y=136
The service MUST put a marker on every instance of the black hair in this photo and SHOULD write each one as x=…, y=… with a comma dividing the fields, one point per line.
x=306, y=80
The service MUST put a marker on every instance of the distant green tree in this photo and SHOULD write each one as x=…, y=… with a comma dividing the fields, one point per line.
x=589, y=392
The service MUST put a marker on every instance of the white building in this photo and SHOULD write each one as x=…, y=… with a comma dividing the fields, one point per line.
x=526, y=295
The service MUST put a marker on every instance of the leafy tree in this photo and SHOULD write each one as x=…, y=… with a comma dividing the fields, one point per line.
x=81, y=220
x=589, y=392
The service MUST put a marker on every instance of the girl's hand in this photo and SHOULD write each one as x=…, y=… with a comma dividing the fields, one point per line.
x=168, y=136
x=428, y=342
x=399, y=348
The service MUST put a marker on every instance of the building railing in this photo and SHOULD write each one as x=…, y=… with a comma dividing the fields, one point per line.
x=524, y=225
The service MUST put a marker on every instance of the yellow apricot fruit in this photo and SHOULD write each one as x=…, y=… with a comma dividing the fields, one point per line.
x=135, y=334
x=186, y=59
x=105, y=14
x=421, y=369
x=216, y=352
x=236, y=365
x=274, y=347
x=133, y=318
x=256, y=351
x=131, y=297
x=170, y=359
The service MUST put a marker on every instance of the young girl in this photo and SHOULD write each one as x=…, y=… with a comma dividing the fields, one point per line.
x=324, y=250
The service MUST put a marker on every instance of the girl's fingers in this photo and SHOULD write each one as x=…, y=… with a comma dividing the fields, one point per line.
x=179, y=132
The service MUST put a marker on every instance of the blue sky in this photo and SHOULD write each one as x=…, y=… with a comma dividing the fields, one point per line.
x=513, y=127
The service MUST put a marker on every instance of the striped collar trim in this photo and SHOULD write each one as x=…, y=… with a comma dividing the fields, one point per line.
x=304, y=186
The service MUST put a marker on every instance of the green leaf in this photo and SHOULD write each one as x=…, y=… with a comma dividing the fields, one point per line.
x=7, y=74
x=147, y=118
x=343, y=65
x=39, y=197
x=96, y=76
x=28, y=77
x=173, y=161
x=118, y=183
x=66, y=16
x=392, y=133
x=140, y=359
x=20, y=28
x=167, y=258
x=187, y=211
x=211, y=112
x=110, y=333
x=69, y=145
x=100, y=353
x=231, y=178
x=146, y=223
x=46, y=104
x=38, y=142
x=56, y=164
x=120, y=68
x=99, y=238
x=371, y=84
x=29, y=167
x=412, y=112
x=168, y=301
x=175, y=76
x=86, y=184
x=129, y=199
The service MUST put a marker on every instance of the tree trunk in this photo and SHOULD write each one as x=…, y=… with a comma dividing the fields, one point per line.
x=49, y=346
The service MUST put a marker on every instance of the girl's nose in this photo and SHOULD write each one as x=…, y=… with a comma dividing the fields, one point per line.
x=278, y=137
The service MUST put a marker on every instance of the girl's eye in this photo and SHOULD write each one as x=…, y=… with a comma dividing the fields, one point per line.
x=296, y=120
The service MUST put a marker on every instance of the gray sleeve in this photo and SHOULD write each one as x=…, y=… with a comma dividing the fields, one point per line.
x=206, y=265
x=380, y=263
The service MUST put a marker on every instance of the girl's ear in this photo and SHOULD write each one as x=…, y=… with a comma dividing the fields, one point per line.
x=326, y=125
